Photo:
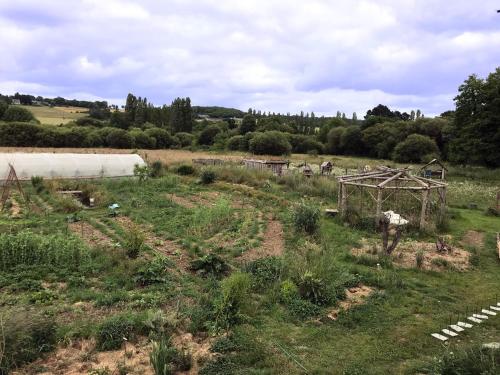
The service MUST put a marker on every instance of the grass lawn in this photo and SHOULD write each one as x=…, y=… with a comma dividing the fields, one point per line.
x=56, y=115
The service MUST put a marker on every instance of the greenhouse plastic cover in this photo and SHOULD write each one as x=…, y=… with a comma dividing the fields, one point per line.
x=49, y=165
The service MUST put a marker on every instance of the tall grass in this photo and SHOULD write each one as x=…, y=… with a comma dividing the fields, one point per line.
x=28, y=248
x=207, y=221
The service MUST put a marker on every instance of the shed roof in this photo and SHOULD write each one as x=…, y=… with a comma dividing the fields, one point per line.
x=68, y=165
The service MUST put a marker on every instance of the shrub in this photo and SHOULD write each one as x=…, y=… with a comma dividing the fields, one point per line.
x=265, y=271
x=306, y=218
x=302, y=309
x=119, y=138
x=270, y=143
x=28, y=248
x=207, y=135
x=3, y=108
x=134, y=242
x=162, y=137
x=15, y=113
x=184, y=139
x=236, y=143
x=227, y=308
x=313, y=289
x=37, y=183
x=142, y=172
x=207, y=176
x=288, y=291
x=414, y=148
x=26, y=336
x=157, y=169
x=185, y=170
x=112, y=332
x=142, y=139
x=210, y=264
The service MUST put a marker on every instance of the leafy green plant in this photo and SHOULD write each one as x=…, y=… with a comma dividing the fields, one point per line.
x=471, y=361
x=288, y=291
x=306, y=218
x=141, y=172
x=113, y=331
x=227, y=308
x=313, y=288
x=265, y=271
x=154, y=272
x=37, y=183
x=134, y=241
x=207, y=176
x=166, y=359
x=210, y=264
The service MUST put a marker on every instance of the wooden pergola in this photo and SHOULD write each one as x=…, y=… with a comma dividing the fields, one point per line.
x=391, y=181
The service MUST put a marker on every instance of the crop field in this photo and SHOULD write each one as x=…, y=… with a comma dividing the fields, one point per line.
x=225, y=270
x=56, y=115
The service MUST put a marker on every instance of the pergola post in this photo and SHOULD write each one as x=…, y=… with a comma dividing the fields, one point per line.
x=339, y=198
x=343, y=204
x=379, y=205
x=442, y=201
x=425, y=199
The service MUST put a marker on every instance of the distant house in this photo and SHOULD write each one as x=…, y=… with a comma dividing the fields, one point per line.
x=16, y=102
x=276, y=166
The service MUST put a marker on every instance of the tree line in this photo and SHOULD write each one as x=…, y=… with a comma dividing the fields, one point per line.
x=468, y=135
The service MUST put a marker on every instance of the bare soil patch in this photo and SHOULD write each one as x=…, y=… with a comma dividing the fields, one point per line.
x=273, y=244
x=90, y=235
x=197, y=347
x=405, y=255
x=354, y=297
x=15, y=209
x=80, y=358
x=473, y=238
x=181, y=201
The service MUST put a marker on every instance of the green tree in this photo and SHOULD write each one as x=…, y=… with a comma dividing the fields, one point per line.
x=414, y=148
x=207, y=136
x=16, y=113
x=334, y=141
x=248, y=124
x=270, y=143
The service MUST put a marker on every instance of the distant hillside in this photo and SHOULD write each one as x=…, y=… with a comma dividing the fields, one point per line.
x=220, y=112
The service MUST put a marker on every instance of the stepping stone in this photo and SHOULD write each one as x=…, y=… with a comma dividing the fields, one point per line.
x=484, y=311
x=439, y=336
x=480, y=316
x=475, y=320
x=464, y=325
x=449, y=333
x=495, y=308
x=456, y=328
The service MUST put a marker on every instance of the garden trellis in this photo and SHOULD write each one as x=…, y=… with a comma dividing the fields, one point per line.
x=397, y=189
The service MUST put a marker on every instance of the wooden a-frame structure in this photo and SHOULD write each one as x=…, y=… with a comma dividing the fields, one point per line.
x=391, y=180
x=9, y=182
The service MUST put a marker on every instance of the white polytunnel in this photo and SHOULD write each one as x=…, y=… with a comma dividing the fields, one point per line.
x=50, y=166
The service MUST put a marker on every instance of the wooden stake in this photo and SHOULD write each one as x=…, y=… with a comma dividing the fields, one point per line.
x=379, y=206
x=425, y=198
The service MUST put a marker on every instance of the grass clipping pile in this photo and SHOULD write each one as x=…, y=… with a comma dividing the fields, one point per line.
x=407, y=252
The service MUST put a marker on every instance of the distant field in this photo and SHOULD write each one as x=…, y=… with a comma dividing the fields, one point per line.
x=56, y=115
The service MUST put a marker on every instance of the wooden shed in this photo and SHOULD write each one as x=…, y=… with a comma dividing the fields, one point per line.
x=276, y=166
x=325, y=168
x=307, y=171
x=434, y=169
x=208, y=161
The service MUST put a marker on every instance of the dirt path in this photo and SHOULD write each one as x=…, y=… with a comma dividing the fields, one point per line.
x=354, y=297
x=90, y=235
x=273, y=244
x=473, y=238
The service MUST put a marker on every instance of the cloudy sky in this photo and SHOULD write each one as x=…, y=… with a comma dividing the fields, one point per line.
x=278, y=55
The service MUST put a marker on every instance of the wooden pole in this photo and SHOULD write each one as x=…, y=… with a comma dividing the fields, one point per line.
x=344, y=200
x=442, y=206
x=379, y=205
x=425, y=198
x=339, y=198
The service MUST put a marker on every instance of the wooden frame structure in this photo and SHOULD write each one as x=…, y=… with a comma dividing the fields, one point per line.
x=326, y=168
x=430, y=171
x=276, y=166
x=9, y=181
x=390, y=180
